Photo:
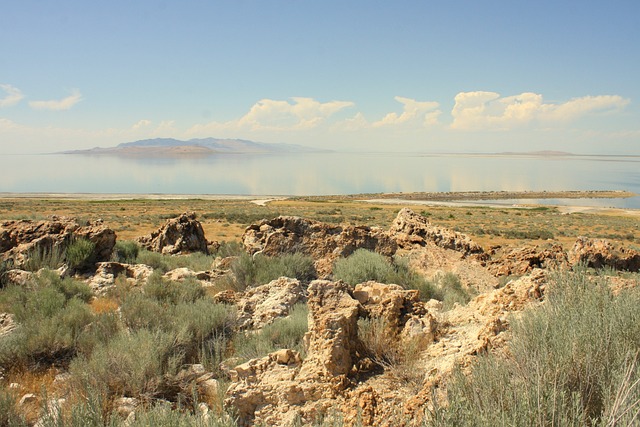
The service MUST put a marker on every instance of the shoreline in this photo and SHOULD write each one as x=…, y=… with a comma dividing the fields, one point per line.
x=414, y=196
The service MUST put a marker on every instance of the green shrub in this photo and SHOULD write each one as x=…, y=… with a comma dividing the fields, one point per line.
x=126, y=251
x=131, y=364
x=574, y=361
x=165, y=415
x=228, y=249
x=80, y=254
x=141, y=312
x=449, y=290
x=170, y=292
x=51, y=257
x=9, y=413
x=257, y=270
x=364, y=265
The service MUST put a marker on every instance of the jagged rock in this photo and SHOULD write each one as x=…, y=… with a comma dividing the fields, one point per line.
x=323, y=242
x=390, y=302
x=183, y=234
x=332, y=339
x=598, y=253
x=410, y=229
x=7, y=324
x=523, y=260
x=181, y=274
x=107, y=272
x=261, y=305
x=18, y=239
x=18, y=277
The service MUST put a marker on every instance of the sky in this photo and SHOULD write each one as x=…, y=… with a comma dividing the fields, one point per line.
x=410, y=76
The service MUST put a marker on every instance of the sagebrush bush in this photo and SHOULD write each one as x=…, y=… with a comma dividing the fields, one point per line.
x=130, y=364
x=51, y=257
x=574, y=361
x=364, y=265
x=448, y=289
x=248, y=271
x=126, y=251
x=9, y=414
x=171, y=292
x=80, y=254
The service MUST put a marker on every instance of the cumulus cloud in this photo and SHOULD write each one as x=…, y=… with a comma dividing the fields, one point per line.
x=425, y=112
x=487, y=110
x=13, y=95
x=278, y=115
x=142, y=124
x=58, y=105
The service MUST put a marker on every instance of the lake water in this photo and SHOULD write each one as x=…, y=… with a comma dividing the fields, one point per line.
x=319, y=174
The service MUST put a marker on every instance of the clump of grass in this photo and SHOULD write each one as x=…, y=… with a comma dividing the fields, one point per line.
x=364, y=265
x=171, y=292
x=574, y=361
x=9, y=413
x=449, y=290
x=248, y=271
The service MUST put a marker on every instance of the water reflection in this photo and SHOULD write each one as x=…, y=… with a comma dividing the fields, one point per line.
x=313, y=174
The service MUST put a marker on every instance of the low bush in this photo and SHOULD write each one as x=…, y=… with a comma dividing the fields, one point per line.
x=364, y=265
x=248, y=271
x=80, y=254
x=171, y=292
x=46, y=256
x=126, y=251
x=574, y=361
x=449, y=290
x=9, y=414
x=196, y=261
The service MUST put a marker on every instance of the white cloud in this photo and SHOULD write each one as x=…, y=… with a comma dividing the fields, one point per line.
x=14, y=95
x=425, y=112
x=58, y=105
x=142, y=124
x=277, y=115
x=487, y=110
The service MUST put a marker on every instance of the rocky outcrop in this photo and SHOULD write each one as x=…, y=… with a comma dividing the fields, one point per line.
x=261, y=305
x=107, y=272
x=180, y=235
x=598, y=253
x=280, y=388
x=22, y=238
x=523, y=260
x=323, y=242
x=410, y=229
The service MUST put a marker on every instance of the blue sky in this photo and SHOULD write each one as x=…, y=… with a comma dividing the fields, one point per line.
x=449, y=76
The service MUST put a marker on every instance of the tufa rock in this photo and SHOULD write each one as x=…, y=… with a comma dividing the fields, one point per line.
x=261, y=305
x=107, y=272
x=523, y=260
x=410, y=229
x=19, y=239
x=323, y=242
x=598, y=253
x=183, y=234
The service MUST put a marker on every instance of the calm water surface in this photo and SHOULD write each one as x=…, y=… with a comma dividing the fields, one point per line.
x=318, y=174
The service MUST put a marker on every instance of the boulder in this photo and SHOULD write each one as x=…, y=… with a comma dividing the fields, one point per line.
x=7, y=324
x=392, y=303
x=180, y=235
x=19, y=239
x=410, y=229
x=261, y=305
x=323, y=242
x=598, y=253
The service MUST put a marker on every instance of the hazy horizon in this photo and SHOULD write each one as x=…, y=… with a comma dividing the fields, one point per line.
x=414, y=76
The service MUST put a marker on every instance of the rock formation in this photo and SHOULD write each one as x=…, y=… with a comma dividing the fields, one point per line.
x=410, y=229
x=20, y=239
x=180, y=235
x=261, y=305
x=523, y=260
x=323, y=242
x=598, y=253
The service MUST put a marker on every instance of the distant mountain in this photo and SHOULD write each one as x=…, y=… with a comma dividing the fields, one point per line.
x=194, y=147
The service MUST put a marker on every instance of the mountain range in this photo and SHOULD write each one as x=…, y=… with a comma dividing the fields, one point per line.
x=194, y=147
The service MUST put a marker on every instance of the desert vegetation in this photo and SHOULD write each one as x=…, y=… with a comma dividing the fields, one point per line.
x=416, y=319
